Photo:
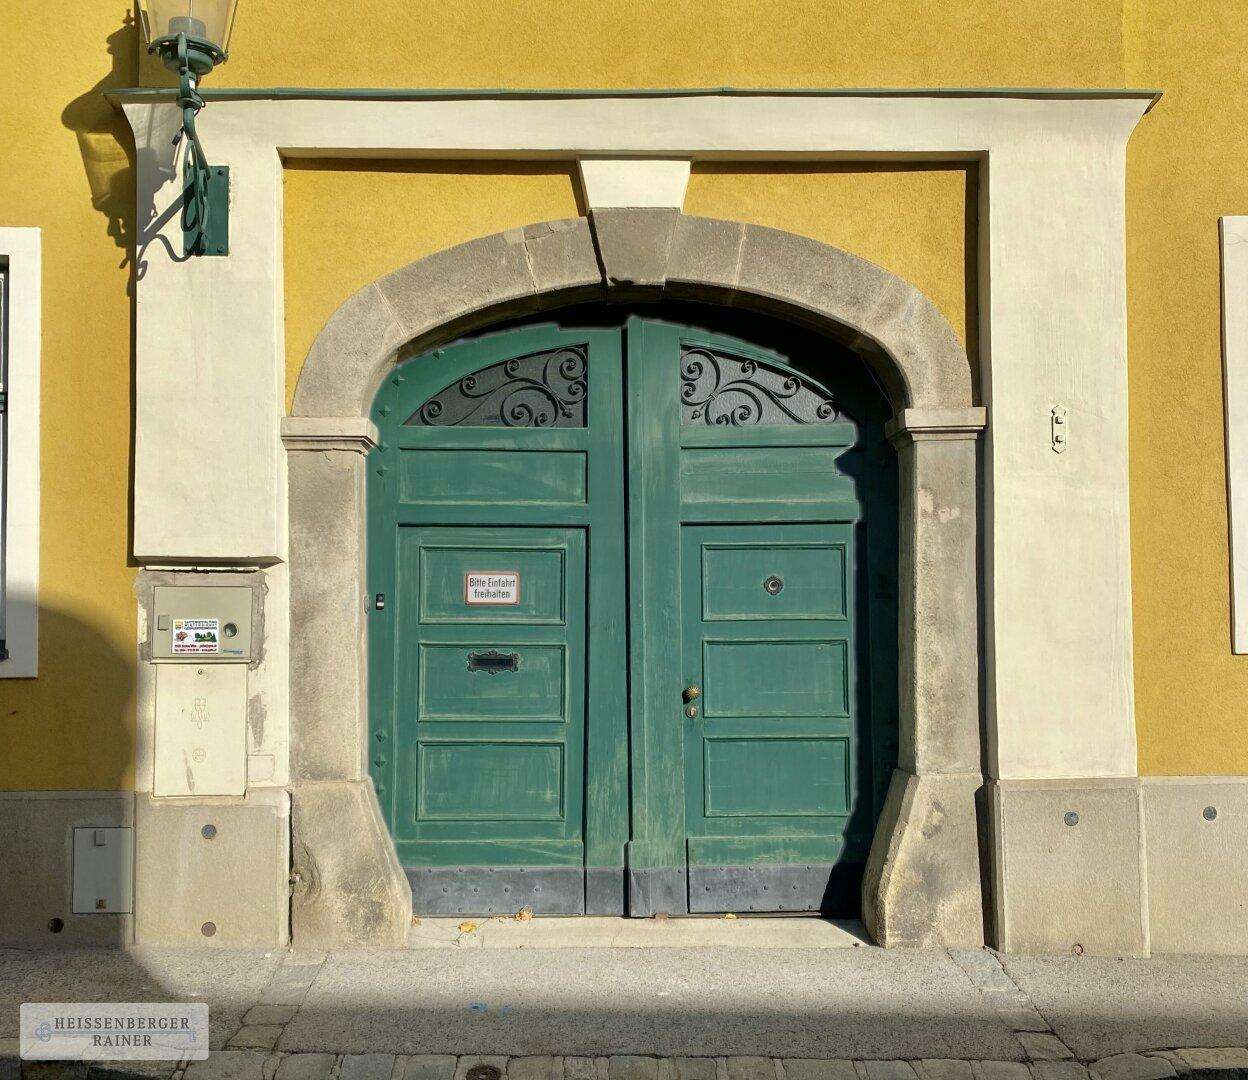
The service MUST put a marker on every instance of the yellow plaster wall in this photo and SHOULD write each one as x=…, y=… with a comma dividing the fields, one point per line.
x=1186, y=168
x=66, y=170
x=587, y=43
x=349, y=223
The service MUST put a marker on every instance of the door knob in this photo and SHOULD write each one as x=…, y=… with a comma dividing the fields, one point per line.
x=691, y=692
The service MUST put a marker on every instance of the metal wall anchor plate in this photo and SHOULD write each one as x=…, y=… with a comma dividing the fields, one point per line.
x=1059, y=429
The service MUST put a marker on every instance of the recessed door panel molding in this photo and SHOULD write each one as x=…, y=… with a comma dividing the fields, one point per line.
x=775, y=678
x=773, y=581
x=491, y=781
x=494, y=476
x=536, y=597
x=492, y=680
x=776, y=778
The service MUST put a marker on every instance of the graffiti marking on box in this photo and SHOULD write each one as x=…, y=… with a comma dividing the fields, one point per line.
x=492, y=587
x=197, y=636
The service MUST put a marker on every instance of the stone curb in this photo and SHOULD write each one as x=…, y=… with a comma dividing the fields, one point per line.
x=252, y=1063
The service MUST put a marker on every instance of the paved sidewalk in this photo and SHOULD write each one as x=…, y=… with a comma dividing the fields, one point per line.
x=752, y=1012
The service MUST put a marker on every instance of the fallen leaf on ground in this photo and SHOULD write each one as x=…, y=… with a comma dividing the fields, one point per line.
x=467, y=927
x=524, y=914
x=415, y=920
x=730, y=915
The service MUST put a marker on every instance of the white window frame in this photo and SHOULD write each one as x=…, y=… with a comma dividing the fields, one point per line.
x=1234, y=237
x=20, y=258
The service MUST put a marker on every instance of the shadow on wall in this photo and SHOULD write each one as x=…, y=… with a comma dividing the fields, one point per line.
x=104, y=138
x=69, y=742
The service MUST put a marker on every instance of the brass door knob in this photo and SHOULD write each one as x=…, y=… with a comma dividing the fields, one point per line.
x=692, y=692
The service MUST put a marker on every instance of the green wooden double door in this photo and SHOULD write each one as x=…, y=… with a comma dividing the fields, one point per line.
x=617, y=657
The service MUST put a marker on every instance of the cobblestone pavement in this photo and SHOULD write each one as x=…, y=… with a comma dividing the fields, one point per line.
x=1217, y=1063
x=660, y=1014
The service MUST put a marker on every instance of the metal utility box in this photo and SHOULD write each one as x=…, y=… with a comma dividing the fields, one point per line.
x=202, y=623
x=103, y=871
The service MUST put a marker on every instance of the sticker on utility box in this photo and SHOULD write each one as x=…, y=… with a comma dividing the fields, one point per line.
x=196, y=636
x=492, y=587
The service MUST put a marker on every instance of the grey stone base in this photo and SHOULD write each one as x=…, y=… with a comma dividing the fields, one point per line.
x=922, y=885
x=494, y=890
x=36, y=853
x=657, y=891
x=1068, y=867
x=233, y=883
x=348, y=888
x=1195, y=837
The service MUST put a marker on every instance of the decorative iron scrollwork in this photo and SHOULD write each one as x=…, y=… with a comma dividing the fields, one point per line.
x=718, y=389
x=493, y=661
x=546, y=389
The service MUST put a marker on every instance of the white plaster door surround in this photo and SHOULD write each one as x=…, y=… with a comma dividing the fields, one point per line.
x=1052, y=308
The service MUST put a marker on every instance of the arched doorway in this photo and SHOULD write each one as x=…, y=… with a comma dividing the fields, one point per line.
x=633, y=628
x=922, y=882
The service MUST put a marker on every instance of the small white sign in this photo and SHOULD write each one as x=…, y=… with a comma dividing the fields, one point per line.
x=492, y=587
x=120, y=1031
x=196, y=635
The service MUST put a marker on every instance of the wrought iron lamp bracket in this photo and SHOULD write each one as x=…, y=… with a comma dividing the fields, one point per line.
x=205, y=205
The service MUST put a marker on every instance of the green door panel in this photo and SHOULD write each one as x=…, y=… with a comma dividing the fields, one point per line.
x=492, y=780
x=808, y=581
x=443, y=581
x=784, y=679
x=494, y=476
x=767, y=777
x=452, y=688
x=754, y=474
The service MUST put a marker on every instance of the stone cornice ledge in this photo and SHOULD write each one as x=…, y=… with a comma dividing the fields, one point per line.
x=937, y=424
x=126, y=95
x=357, y=434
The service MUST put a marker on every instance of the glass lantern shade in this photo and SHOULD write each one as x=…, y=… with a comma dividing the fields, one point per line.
x=204, y=21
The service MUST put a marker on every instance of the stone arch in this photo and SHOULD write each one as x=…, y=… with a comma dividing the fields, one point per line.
x=922, y=883
x=892, y=325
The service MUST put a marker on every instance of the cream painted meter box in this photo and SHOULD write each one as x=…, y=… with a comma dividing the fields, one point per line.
x=202, y=640
x=197, y=623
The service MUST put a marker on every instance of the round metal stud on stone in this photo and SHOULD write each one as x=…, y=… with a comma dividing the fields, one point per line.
x=1209, y=813
x=208, y=929
x=208, y=832
x=1070, y=817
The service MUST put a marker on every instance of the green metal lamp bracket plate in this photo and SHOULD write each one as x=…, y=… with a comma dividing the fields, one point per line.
x=214, y=237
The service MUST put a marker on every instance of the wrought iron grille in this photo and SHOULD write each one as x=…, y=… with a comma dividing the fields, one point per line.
x=718, y=389
x=545, y=389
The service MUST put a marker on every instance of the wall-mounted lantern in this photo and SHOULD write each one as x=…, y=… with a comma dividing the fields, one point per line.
x=191, y=38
